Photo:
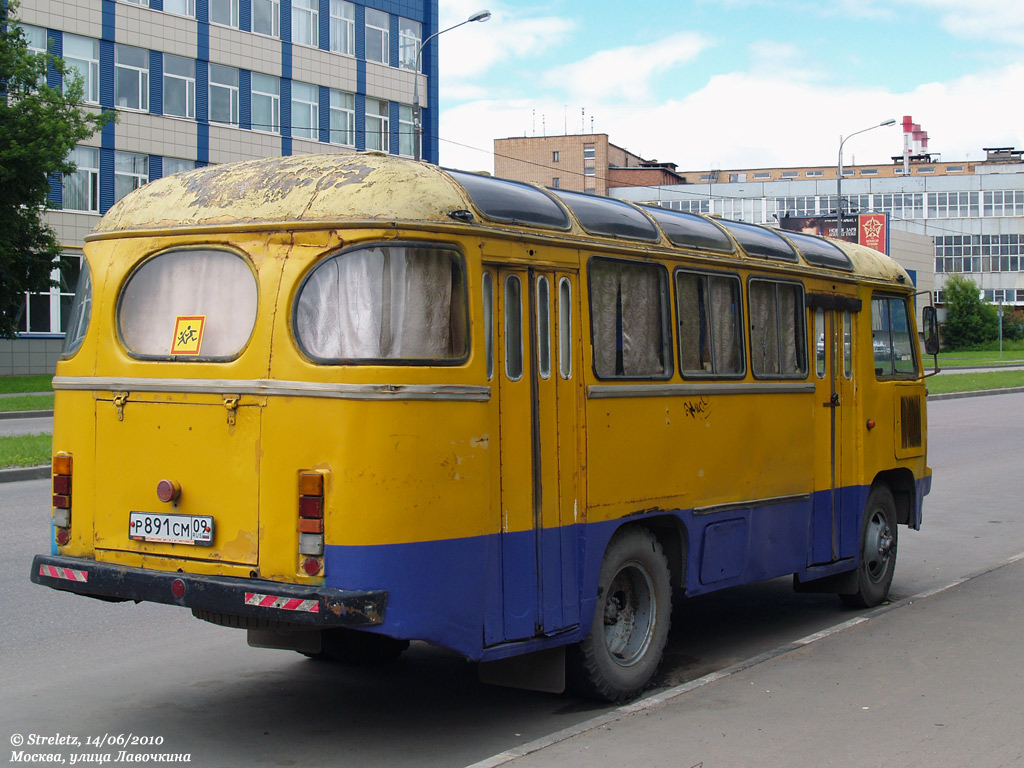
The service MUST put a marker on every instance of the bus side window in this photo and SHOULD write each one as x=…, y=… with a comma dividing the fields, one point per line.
x=513, y=328
x=777, y=335
x=629, y=319
x=848, y=344
x=488, y=289
x=891, y=337
x=544, y=326
x=710, y=314
x=821, y=341
x=565, y=328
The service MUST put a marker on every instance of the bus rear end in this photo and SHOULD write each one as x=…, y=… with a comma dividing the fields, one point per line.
x=159, y=470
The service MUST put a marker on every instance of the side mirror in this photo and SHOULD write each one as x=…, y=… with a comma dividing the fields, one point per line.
x=931, y=330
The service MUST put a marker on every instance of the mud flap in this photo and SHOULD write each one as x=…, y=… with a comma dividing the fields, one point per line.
x=538, y=671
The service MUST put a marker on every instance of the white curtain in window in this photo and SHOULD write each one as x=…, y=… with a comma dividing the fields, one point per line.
x=725, y=318
x=214, y=284
x=380, y=303
x=627, y=298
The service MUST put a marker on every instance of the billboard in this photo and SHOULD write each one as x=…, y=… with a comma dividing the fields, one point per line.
x=870, y=229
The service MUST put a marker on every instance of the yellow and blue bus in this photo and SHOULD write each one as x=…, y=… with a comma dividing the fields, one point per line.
x=347, y=402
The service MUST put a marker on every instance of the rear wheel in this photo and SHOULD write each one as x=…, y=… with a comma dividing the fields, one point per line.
x=350, y=646
x=617, y=660
x=878, y=543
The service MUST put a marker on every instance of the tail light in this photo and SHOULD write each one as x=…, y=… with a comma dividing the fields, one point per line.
x=62, y=498
x=311, y=522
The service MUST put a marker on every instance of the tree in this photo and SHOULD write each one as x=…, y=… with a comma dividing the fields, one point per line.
x=39, y=126
x=969, y=320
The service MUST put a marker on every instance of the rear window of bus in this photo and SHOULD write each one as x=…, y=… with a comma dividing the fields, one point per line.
x=194, y=304
x=385, y=304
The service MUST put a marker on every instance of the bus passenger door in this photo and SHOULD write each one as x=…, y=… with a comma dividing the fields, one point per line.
x=538, y=437
x=833, y=334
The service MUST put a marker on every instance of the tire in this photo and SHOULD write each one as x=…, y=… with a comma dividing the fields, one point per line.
x=878, y=546
x=620, y=655
x=350, y=646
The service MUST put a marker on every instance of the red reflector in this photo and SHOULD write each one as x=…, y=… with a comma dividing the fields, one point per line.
x=311, y=566
x=61, y=502
x=311, y=526
x=62, y=484
x=871, y=423
x=168, y=490
x=178, y=588
x=63, y=536
x=311, y=506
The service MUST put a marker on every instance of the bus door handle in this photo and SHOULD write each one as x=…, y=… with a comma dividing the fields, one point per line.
x=833, y=401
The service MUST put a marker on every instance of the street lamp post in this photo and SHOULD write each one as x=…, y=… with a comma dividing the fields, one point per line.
x=417, y=126
x=839, y=174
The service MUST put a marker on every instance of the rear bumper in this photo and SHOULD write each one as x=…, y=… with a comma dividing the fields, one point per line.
x=252, y=598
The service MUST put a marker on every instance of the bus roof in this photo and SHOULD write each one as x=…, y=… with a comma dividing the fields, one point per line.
x=373, y=187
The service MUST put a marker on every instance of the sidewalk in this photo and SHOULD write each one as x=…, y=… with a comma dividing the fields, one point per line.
x=931, y=681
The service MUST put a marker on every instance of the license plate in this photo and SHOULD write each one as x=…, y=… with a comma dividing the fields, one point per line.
x=171, y=529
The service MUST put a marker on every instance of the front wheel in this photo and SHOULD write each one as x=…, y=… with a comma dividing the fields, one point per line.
x=878, y=542
x=620, y=655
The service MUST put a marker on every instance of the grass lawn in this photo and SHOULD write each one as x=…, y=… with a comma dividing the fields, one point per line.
x=25, y=450
x=27, y=403
x=15, y=384
x=971, y=382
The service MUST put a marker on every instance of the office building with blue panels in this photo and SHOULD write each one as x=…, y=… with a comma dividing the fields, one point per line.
x=200, y=82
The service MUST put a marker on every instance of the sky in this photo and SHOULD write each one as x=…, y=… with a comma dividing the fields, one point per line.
x=720, y=84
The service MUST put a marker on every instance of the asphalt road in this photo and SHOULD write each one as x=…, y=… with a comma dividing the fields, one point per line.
x=42, y=425
x=78, y=667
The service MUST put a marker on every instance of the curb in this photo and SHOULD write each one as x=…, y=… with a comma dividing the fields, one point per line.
x=977, y=393
x=25, y=414
x=16, y=474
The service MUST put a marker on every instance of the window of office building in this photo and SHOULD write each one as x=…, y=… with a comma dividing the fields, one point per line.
x=305, y=22
x=266, y=17
x=83, y=54
x=223, y=94
x=174, y=165
x=50, y=311
x=589, y=151
x=266, y=103
x=35, y=37
x=378, y=124
x=343, y=118
x=224, y=12
x=35, y=40
x=143, y=3
x=179, y=86
x=406, y=131
x=131, y=77
x=81, y=189
x=378, y=36
x=181, y=7
x=131, y=171
x=305, y=111
x=409, y=35
x=343, y=27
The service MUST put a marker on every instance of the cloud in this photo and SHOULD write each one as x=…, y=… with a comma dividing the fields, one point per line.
x=745, y=119
x=624, y=73
x=467, y=53
x=999, y=21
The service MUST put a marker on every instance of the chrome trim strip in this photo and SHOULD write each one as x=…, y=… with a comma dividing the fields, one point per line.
x=738, y=505
x=602, y=391
x=275, y=387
